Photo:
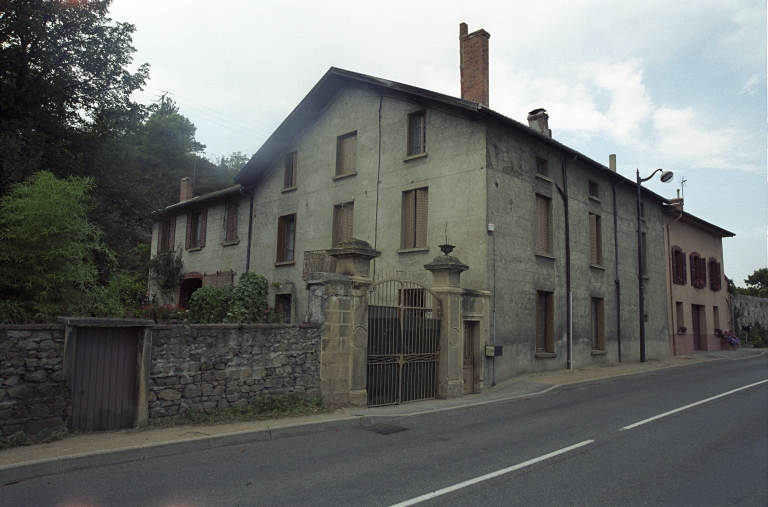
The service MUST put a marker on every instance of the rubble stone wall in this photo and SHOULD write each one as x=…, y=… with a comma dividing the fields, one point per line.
x=204, y=367
x=33, y=395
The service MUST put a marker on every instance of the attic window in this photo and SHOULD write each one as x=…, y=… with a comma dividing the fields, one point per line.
x=594, y=190
x=542, y=167
x=289, y=179
x=417, y=133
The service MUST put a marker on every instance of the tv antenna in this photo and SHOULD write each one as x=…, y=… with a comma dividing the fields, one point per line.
x=682, y=187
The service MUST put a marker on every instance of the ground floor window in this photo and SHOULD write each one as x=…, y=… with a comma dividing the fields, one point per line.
x=545, y=336
x=598, y=324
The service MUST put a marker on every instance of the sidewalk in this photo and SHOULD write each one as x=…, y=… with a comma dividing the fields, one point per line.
x=98, y=449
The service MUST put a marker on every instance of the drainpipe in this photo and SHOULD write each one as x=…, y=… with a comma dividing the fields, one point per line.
x=564, y=194
x=616, y=267
x=378, y=181
x=671, y=299
x=250, y=229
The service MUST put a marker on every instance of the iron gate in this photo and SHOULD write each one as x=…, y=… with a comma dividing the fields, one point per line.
x=403, y=342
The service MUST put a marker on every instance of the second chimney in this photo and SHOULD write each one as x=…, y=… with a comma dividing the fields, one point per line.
x=538, y=120
x=677, y=202
x=186, y=189
x=473, y=64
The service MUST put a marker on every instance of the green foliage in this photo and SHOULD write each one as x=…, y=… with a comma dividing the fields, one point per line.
x=244, y=303
x=52, y=258
x=45, y=436
x=167, y=270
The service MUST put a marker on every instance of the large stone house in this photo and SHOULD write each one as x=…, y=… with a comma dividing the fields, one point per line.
x=699, y=305
x=549, y=235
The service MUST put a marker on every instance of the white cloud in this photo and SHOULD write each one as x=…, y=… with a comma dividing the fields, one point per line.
x=749, y=85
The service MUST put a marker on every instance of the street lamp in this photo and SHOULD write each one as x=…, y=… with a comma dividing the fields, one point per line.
x=666, y=177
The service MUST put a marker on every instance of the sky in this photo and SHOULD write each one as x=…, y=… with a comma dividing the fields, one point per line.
x=678, y=85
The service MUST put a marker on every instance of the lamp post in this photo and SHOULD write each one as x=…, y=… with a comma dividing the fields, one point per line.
x=666, y=177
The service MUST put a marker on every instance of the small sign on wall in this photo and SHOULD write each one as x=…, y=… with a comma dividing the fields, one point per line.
x=493, y=351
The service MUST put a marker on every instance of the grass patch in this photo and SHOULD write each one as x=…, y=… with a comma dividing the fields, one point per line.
x=259, y=407
x=21, y=439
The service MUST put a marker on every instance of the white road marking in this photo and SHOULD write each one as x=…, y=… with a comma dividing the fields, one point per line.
x=455, y=487
x=691, y=405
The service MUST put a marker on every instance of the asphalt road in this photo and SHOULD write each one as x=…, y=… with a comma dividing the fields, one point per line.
x=566, y=447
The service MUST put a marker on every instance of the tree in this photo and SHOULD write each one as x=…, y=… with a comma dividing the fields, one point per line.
x=62, y=67
x=757, y=284
x=52, y=258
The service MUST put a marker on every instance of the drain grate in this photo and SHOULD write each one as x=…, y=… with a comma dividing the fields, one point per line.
x=385, y=429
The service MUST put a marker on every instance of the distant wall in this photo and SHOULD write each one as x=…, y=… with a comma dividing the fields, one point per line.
x=747, y=310
x=204, y=367
x=33, y=395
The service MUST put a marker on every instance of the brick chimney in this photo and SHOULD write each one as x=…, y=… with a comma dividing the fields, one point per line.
x=186, y=189
x=538, y=120
x=677, y=202
x=473, y=64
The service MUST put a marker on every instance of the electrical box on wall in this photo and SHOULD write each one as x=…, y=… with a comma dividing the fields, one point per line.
x=493, y=351
x=490, y=228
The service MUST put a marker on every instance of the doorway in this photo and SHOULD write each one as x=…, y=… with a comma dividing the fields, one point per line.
x=696, y=326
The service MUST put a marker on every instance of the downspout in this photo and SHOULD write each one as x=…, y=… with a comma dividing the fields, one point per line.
x=671, y=299
x=250, y=229
x=378, y=181
x=564, y=194
x=617, y=281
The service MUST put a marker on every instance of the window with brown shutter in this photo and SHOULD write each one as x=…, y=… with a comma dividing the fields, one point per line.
x=231, y=209
x=343, y=217
x=286, y=238
x=595, y=240
x=196, y=229
x=545, y=336
x=417, y=133
x=678, y=266
x=289, y=179
x=698, y=271
x=542, y=216
x=598, y=324
x=415, y=213
x=166, y=236
x=346, y=154
x=715, y=275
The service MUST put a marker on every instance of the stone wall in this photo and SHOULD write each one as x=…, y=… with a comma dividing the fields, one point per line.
x=748, y=310
x=33, y=395
x=204, y=367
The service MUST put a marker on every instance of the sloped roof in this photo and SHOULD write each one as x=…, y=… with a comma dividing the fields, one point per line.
x=688, y=217
x=336, y=80
x=191, y=203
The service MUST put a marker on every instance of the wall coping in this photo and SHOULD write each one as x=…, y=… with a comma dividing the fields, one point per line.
x=237, y=326
x=99, y=322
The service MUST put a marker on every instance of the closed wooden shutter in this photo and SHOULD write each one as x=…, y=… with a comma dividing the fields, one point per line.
x=593, y=258
x=203, y=228
x=684, y=269
x=230, y=221
x=290, y=237
x=281, y=239
x=422, y=203
x=409, y=219
x=289, y=180
x=342, y=223
x=347, y=155
x=188, y=242
x=703, y=271
x=542, y=224
x=172, y=235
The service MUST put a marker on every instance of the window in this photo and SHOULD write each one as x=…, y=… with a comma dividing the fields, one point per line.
x=166, y=235
x=598, y=324
x=543, y=222
x=289, y=180
x=545, y=336
x=542, y=167
x=417, y=133
x=645, y=255
x=715, y=275
x=698, y=271
x=286, y=238
x=716, y=317
x=283, y=307
x=346, y=154
x=680, y=317
x=218, y=279
x=414, y=230
x=343, y=216
x=196, y=229
x=594, y=190
x=230, y=221
x=595, y=240
x=679, y=275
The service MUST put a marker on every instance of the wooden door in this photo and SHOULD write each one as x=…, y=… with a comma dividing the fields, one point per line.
x=469, y=357
x=696, y=326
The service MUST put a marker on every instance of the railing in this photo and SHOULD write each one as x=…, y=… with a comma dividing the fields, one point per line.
x=318, y=261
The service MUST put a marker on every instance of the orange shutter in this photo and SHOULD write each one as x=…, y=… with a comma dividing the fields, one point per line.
x=347, y=155
x=347, y=214
x=542, y=224
x=422, y=203
x=231, y=221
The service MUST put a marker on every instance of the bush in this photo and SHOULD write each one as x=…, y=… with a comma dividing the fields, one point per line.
x=209, y=305
x=245, y=302
x=167, y=270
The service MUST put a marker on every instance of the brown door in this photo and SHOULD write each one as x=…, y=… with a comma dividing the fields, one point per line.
x=695, y=324
x=104, y=386
x=469, y=357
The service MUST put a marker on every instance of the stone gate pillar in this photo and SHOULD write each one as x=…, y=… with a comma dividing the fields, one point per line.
x=339, y=301
x=446, y=272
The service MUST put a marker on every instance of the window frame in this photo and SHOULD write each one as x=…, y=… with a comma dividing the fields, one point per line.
x=415, y=219
x=166, y=236
x=597, y=314
x=417, y=147
x=231, y=212
x=290, y=171
x=283, y=307
x=715, y=275
x=594, y=190
x=286, y=239
x=545, y=320
x=339, y=211
x=341, y=147
x=196, y=220
x=542, y=167
x=698, y=270
x=547, y=208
